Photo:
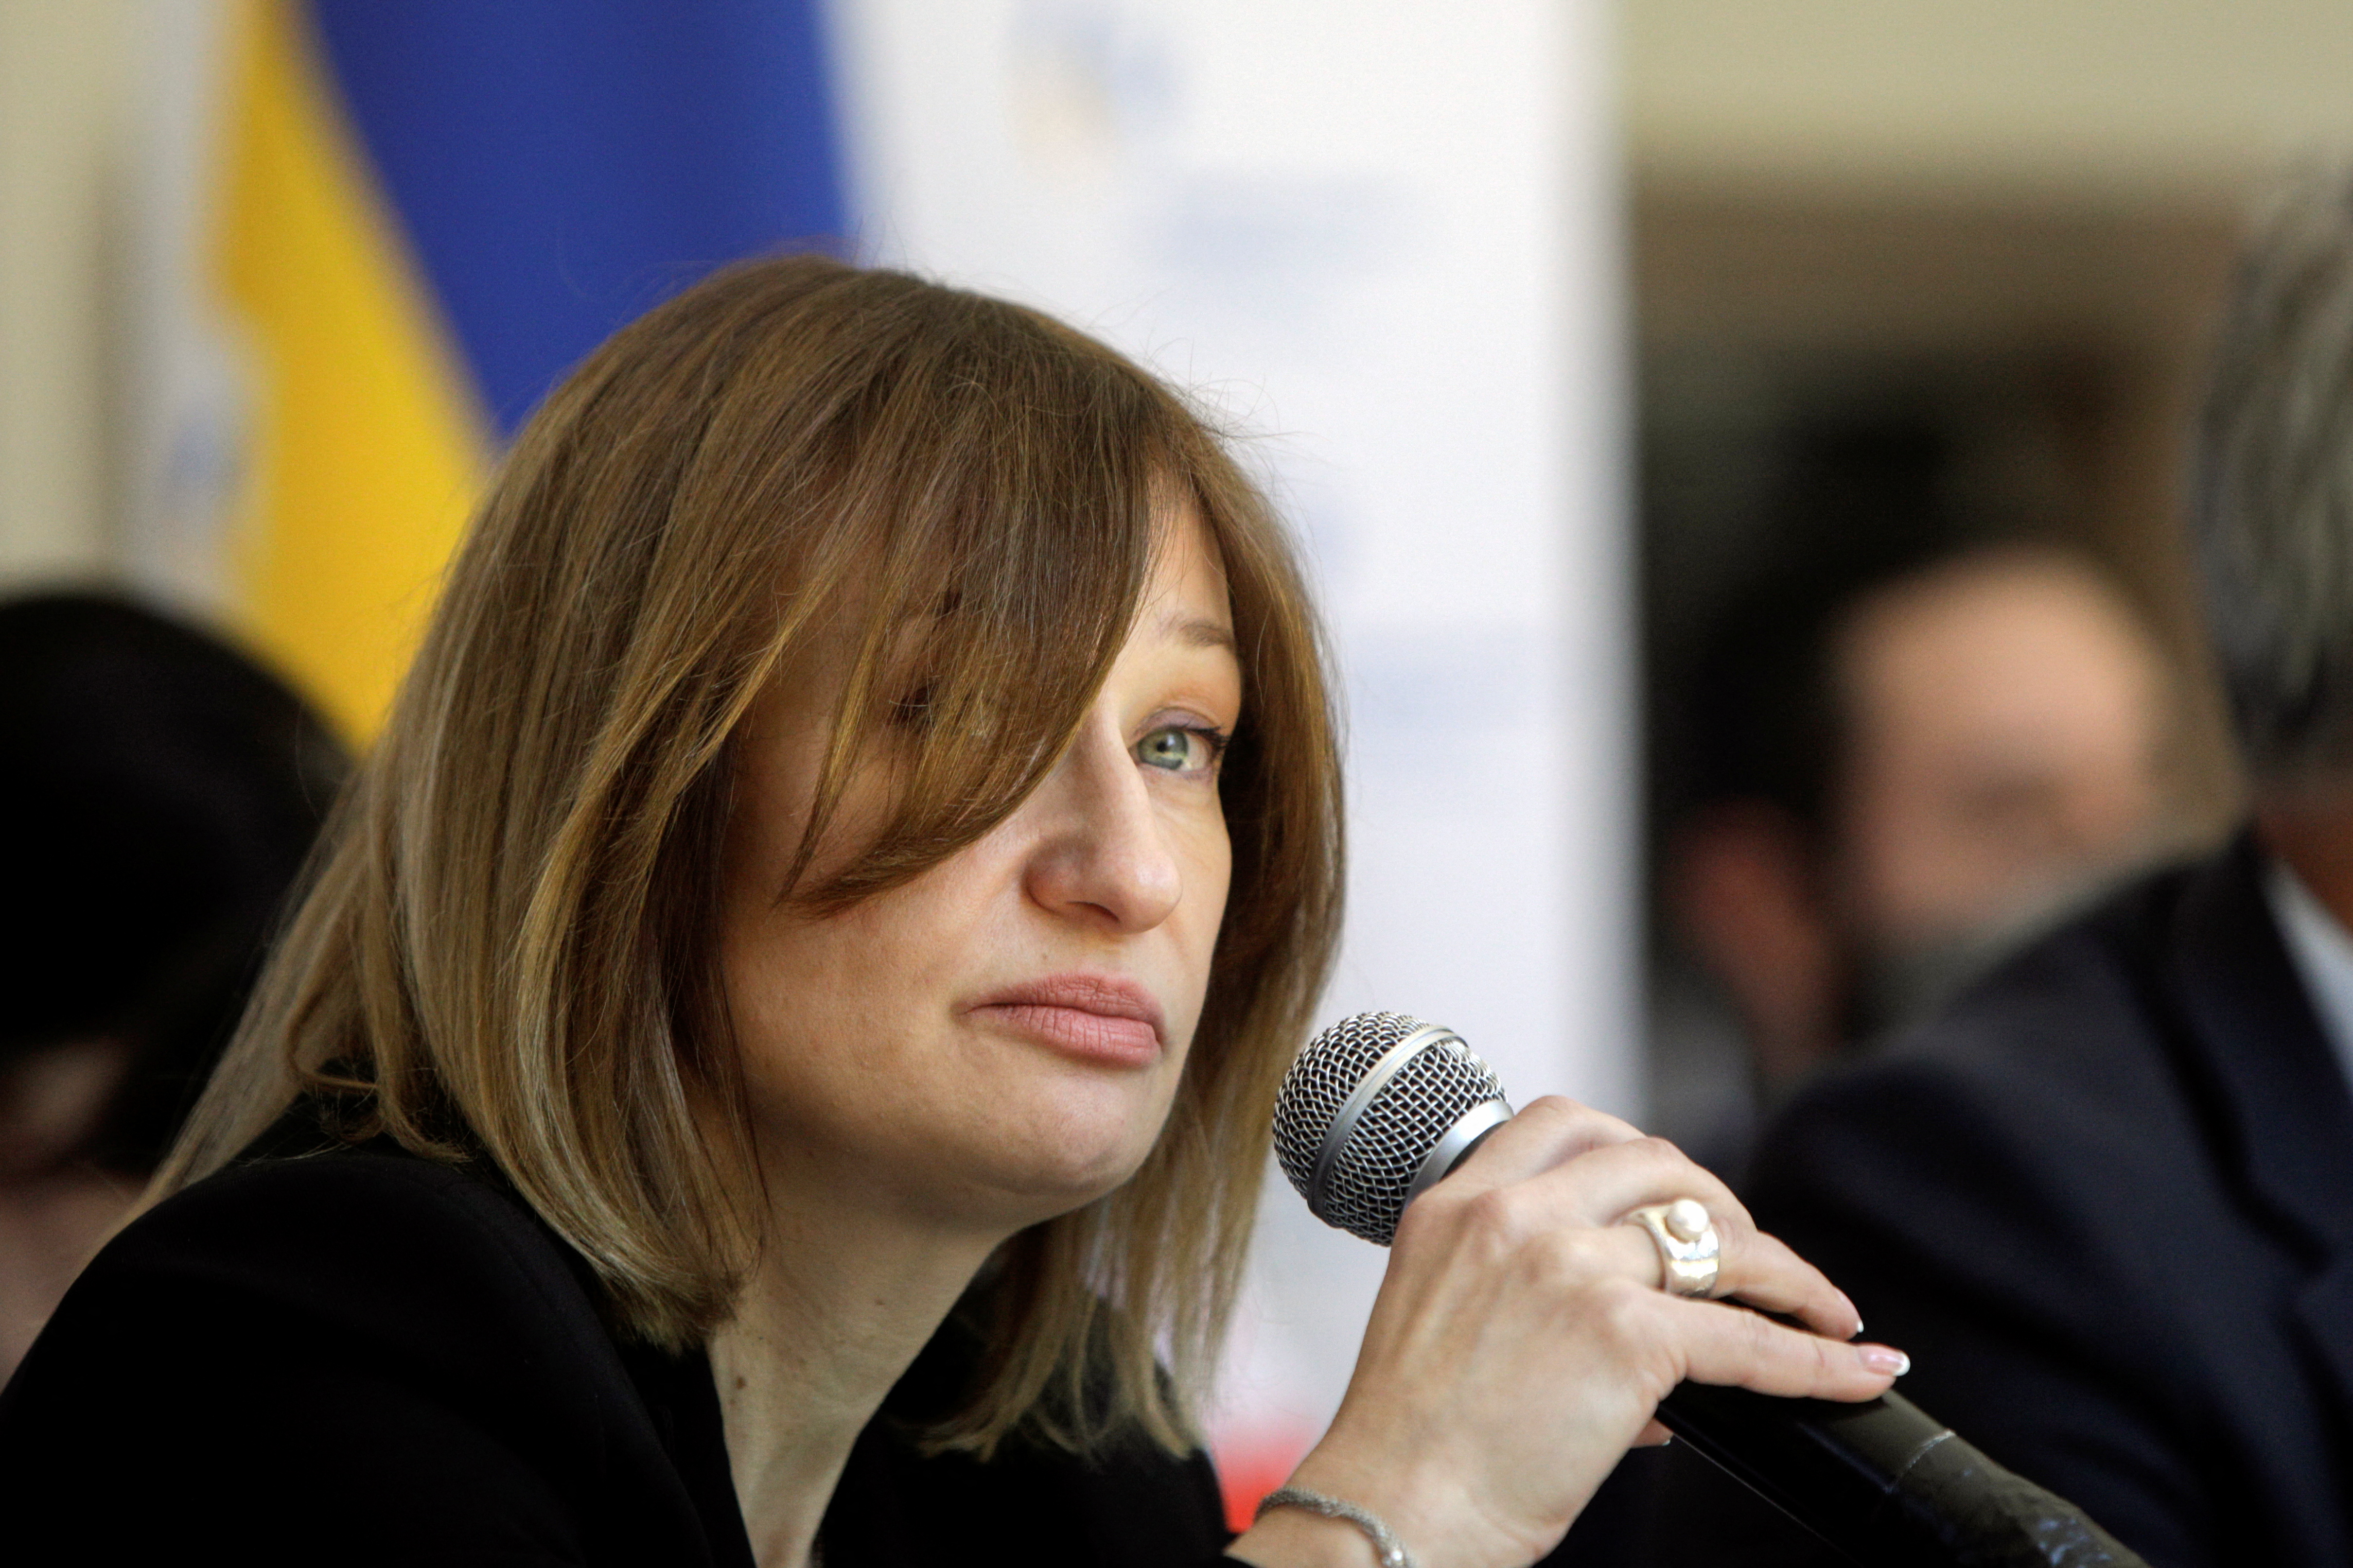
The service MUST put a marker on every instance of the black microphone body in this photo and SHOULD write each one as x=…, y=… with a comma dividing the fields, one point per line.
x=1885, y=1483
x=1379, y=1107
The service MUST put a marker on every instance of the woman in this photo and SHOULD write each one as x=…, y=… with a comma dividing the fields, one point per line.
x=778, y=1054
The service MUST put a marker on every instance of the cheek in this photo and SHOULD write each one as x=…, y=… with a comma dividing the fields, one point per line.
x=1203, y=854
x=777, y=973
x=1212, y=856
x=827, y=1006
x=1206, y=856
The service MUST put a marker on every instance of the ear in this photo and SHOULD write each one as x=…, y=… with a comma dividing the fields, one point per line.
x=1745, y=890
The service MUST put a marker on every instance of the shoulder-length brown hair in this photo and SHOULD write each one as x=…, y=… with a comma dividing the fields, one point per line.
x=509, y=955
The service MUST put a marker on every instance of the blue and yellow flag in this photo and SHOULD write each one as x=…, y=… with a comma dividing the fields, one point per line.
x=431, y=210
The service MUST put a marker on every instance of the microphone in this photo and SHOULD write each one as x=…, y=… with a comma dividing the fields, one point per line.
x=1380, y=1107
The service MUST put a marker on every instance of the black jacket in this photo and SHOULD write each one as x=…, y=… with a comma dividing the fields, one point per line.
x=2106, y=1203
x=368, y=1358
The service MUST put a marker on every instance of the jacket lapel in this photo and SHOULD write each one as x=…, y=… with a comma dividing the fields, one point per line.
x=2278, y=1093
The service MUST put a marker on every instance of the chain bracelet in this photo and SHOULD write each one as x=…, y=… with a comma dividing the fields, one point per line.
x=1387, y=1550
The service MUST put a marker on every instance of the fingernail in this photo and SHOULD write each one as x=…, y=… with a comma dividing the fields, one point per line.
x=1879, y=1358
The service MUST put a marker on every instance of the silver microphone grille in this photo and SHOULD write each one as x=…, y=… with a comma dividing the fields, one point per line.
x=1364, y=1107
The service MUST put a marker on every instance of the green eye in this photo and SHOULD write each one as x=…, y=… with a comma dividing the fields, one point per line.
x=1180, y=750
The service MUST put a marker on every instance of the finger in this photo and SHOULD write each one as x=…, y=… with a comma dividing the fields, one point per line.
x=1613, y=1251
x=1545, y=1133
x=1725, y=1345
x=1620, y=1170
x=1757, y=1269
x=1605, y=1185
x=1761, y=1270
x=1653, y=1435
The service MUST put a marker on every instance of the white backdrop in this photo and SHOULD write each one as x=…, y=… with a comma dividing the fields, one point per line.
x=1385, y=235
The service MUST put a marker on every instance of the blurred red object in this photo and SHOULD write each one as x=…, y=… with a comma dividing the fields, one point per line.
x=1253, y=1465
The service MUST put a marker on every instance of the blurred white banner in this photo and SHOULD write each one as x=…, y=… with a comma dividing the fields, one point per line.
x=1384, y=235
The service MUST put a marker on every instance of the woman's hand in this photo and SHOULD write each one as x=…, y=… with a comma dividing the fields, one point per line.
x=1521, y=1342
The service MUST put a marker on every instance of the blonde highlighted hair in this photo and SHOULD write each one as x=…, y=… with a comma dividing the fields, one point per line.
x=508, y=951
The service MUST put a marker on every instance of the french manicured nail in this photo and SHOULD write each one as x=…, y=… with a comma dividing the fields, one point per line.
x=1879, y=1358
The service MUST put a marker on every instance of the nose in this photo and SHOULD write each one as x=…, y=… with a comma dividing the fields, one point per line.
x=1101, y=855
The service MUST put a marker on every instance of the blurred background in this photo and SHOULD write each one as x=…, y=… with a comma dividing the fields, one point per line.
x=1741, y=448
x=1909, y=282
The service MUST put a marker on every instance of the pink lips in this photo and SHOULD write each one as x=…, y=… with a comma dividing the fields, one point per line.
x=1098, y=1019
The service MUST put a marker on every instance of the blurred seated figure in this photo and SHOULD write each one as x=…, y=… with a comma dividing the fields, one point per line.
x=2106, y=1200
x=1907, y=759
x=158, y=792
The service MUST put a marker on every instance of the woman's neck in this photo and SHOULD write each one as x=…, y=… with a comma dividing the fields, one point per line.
x=836, y=1310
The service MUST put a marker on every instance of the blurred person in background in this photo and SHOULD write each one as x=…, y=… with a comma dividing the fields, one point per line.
x=159, y=792
x=1908, y=751
x=2108, y=1198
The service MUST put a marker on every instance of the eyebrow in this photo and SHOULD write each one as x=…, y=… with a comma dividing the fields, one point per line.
x=1197, y=633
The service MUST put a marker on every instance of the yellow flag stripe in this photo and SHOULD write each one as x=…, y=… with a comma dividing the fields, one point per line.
x=368, y=448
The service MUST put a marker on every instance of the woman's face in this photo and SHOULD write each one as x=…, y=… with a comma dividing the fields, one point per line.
x=996, y=1041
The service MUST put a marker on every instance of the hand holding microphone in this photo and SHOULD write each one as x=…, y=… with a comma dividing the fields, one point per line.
x=1544, y=1303
x=1521, y=1342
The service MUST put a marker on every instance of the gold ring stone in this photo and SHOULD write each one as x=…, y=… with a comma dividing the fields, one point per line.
x=1690, y=1252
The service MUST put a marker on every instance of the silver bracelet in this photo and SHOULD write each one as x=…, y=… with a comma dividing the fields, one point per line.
x=1387, y=1550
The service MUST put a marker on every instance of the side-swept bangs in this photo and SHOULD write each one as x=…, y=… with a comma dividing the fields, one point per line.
x=511, y=955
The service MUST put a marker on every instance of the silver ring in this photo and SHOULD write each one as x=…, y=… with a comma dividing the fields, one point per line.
x=1690, y=1253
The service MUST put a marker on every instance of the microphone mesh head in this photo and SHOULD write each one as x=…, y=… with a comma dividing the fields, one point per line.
x=1364, y=1191
x=1322, y=1078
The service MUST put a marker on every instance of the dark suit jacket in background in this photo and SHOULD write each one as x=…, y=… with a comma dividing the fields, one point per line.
x=2106, y=1203
x=373, y=1359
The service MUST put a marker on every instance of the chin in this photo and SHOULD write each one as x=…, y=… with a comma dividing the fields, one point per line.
x=1012, y=1152
x=1054, y=1174
x=1073, y=1183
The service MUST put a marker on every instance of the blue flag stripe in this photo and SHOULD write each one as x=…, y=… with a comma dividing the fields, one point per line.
x=560, y=165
